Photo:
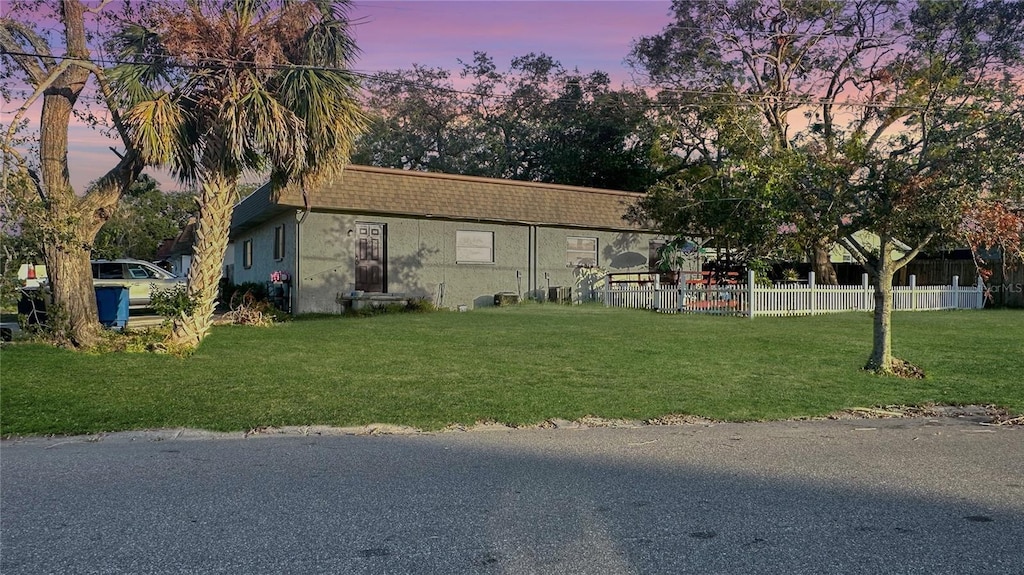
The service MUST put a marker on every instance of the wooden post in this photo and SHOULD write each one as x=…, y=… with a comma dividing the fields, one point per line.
x=868, y=296
x=751, y=282
x=607, y=290
x=956, y=292
x=913, y=292
x=812, y=294
x=980, y=301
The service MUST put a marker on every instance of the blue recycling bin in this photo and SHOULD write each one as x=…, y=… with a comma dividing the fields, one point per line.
x=112, y=304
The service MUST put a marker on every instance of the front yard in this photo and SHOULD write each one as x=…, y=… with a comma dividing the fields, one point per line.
x=517, y=365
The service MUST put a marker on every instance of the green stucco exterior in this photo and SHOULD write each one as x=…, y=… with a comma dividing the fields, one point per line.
x=420, y=259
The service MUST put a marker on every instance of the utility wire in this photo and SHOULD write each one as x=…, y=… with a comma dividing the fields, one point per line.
x=743, y=99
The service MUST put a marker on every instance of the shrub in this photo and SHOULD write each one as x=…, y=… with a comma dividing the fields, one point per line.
x=172, y=302
x=413, y=305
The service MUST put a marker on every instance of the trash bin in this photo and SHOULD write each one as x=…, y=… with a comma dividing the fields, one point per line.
x=112, y=304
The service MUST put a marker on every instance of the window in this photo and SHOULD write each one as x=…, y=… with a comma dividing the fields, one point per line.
x=247, y=254
x=654, y=254
x=279, y=243
x=140, y=272
x=580, y=252
x=108, y=271
x=474, y=247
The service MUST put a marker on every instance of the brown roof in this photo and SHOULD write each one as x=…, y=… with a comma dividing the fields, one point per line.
x=181, y=244
x=363, y=189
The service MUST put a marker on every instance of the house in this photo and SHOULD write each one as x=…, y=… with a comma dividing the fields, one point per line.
x=175, y=254
x=456, y=240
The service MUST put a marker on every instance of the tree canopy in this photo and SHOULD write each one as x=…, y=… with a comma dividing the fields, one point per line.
x=909, y=119
x=534, y=121
x=144, y=217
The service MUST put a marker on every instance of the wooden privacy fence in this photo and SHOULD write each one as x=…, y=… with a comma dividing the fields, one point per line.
x=645, y=291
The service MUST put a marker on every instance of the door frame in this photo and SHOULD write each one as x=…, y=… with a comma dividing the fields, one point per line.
x=383, y=261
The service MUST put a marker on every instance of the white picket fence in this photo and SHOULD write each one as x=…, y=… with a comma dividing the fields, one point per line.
x=644, y=291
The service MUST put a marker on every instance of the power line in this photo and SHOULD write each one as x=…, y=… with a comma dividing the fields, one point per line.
x=753, y=99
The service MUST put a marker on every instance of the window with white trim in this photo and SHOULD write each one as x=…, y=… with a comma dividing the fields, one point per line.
x=474, y=247
x=580, y=252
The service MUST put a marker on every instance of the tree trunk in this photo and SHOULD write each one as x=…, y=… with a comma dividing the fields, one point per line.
x=212, y=228
x=69, y=223
x=821, y=263
x=71, y=315
x=881, y=361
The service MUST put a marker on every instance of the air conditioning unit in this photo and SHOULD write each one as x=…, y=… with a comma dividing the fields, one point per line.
x=506, y=298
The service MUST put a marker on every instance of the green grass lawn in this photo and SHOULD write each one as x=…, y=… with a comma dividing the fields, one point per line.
x=513, y=365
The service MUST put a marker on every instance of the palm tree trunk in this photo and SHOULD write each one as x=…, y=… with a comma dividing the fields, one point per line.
x=212, y=227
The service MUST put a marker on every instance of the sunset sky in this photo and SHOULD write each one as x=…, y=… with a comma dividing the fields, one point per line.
x=588, y=35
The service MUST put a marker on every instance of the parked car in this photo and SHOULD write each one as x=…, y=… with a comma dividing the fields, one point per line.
x=140, y=277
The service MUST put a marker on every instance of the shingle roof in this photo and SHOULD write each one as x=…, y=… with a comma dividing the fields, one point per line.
x=386, y=191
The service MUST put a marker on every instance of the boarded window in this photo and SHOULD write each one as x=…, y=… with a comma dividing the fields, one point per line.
x=279, y=243
x=580, y=252
x=247, y=254
x=472, y=247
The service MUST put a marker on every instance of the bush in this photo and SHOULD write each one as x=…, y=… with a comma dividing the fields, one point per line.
x=172, y=302
x=414, y=305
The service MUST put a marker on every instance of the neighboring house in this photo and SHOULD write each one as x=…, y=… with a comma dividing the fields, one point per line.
x=175, y=254
x=456, y=240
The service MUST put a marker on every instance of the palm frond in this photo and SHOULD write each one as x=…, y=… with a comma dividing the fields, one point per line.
x=155, y=125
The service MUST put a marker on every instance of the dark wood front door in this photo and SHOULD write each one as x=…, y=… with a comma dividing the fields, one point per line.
x=370, y=257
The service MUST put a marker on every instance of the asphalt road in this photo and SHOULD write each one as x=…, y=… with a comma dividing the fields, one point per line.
x=851, y=496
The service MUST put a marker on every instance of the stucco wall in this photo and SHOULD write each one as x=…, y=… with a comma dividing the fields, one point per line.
x=420, y=257
x=263, y=262
x=616, y=252
x=421, y=261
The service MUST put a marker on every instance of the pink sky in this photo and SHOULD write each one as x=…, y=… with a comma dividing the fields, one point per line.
x=588, y=35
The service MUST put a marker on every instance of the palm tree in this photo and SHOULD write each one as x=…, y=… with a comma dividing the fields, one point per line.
x=221, y=88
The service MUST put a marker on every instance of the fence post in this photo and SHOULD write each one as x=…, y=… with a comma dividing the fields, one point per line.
x=656, y=298
x=956, y=292
x=913, y=292
x=751, y=282
x=679, y=296
x=980, y=294
x=607, y=290
x=813, y=293
x=864, y=282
